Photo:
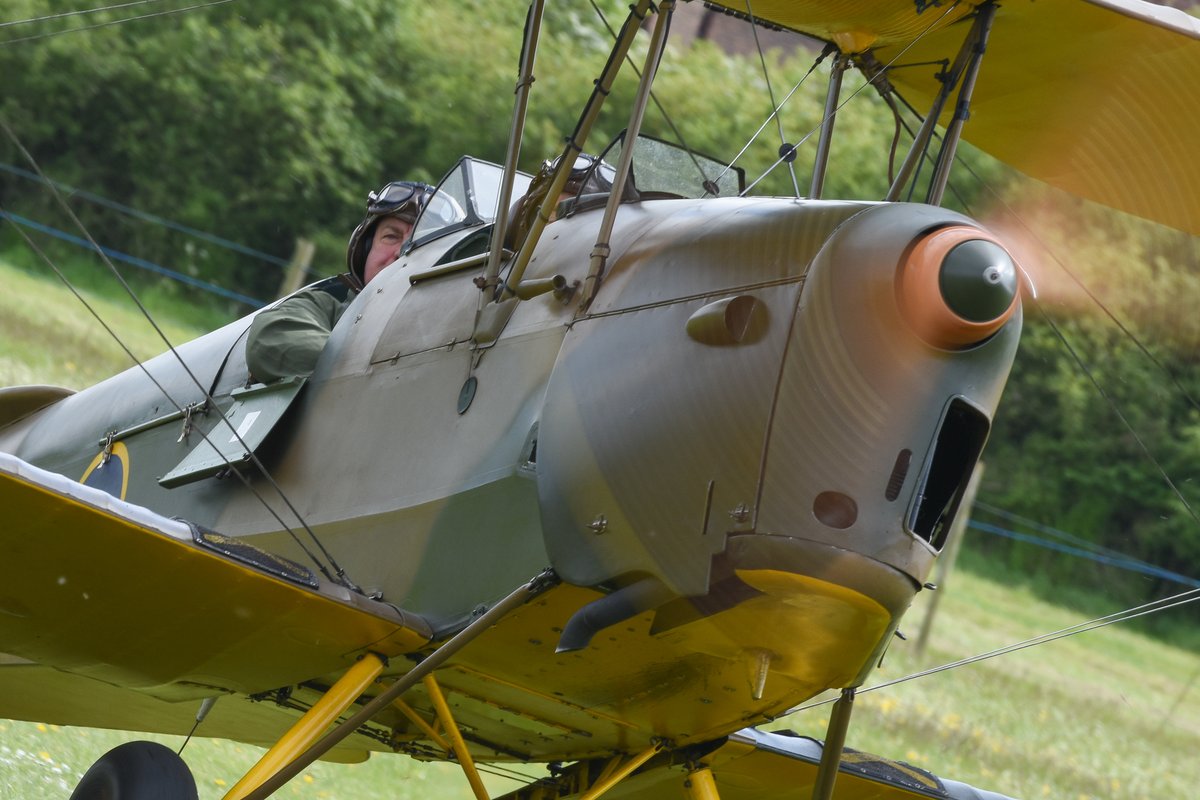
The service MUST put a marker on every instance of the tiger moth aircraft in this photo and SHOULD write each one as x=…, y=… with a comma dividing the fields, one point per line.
x=603, y=490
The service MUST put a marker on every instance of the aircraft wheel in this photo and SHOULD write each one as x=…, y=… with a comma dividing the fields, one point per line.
x=137, y=771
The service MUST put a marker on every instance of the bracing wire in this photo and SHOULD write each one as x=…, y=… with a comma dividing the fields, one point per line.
x=121, y=21
x=789, y=152
x=341, y=576
x=654, y=98
x=754, y=137
x=78, y=12
x=32, y=245
x=1174, y=601
x=783, y=142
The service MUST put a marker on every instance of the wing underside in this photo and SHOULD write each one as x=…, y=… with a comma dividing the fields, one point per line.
x=1098, y=97
x=756, y=765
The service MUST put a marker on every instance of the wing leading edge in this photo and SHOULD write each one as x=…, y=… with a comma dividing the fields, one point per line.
x=1095, y=97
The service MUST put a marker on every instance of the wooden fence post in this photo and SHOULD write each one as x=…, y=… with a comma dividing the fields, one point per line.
x=293, y=276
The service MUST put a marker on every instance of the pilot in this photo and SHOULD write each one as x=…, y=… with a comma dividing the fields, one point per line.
x=589, y=175
x=286, y=339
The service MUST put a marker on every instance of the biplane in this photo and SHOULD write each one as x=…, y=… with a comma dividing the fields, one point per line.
x=604, y=495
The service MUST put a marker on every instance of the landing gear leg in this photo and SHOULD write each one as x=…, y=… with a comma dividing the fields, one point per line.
x=700, y=784
x=137, y=771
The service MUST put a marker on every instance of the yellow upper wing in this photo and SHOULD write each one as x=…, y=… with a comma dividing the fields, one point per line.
x=1099, y=98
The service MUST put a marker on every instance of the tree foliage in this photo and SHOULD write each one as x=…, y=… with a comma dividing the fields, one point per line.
x=268, y=120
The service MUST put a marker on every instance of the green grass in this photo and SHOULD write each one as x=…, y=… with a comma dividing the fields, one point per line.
x=1107, y=715
x=47, y=336
x=46, y=761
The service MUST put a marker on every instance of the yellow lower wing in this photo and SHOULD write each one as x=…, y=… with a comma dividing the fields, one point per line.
x=103, y=589
x=755, y=765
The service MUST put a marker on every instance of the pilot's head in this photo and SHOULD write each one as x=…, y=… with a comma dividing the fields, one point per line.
x=391, y=213
x=588, y=175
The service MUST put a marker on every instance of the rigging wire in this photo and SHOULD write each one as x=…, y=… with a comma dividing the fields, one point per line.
x=113, y=22
x=341, y=576
x=654, y=98
x=32, y=245
x=1174, y=601
x=78, y=12
x=783, y=143
x=791, y=151
x=754, y=136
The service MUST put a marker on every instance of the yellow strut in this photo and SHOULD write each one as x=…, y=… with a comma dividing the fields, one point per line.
x=424, y=726
x=618, y=775
x=456, y=740
x=700, y=785
x=324, y=712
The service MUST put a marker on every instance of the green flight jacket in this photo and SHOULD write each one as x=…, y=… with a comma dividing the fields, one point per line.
x=286, y=340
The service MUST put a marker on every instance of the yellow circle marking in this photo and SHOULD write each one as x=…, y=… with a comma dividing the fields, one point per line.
x=118, y=452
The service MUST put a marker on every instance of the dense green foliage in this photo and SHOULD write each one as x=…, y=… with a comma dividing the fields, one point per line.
x=268, y=120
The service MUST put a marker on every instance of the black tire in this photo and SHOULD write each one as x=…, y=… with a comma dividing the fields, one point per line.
x=137, y=771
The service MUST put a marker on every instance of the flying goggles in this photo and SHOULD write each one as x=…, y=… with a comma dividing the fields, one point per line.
x=404, y=199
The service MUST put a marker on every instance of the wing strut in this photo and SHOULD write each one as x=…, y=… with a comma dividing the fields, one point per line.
x=603, y=85
x=519, y=597
x=835, y=740
x=978, y=44
x=306, y=730
x=599, y=257
x=457, y=743
x=967, y=61
x=701, y=785
x=821, y=162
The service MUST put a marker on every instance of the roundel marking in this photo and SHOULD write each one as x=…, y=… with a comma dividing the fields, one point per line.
x=109, y=475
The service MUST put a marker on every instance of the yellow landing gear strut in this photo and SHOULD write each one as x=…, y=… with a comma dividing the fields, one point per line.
x=457, y=744
x=314, y=723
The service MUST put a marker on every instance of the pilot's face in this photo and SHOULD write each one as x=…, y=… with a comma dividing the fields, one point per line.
x=390, y=235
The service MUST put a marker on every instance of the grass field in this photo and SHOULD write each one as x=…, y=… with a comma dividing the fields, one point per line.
x=1107, y=715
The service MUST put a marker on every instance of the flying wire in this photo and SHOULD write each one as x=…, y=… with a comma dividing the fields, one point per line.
x=96, y=314
x=783, y=143
x=78, y=12
x=654, y=98
x=341, y=576
x=113, y=22
x=1180, y=599
x=789, y=152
